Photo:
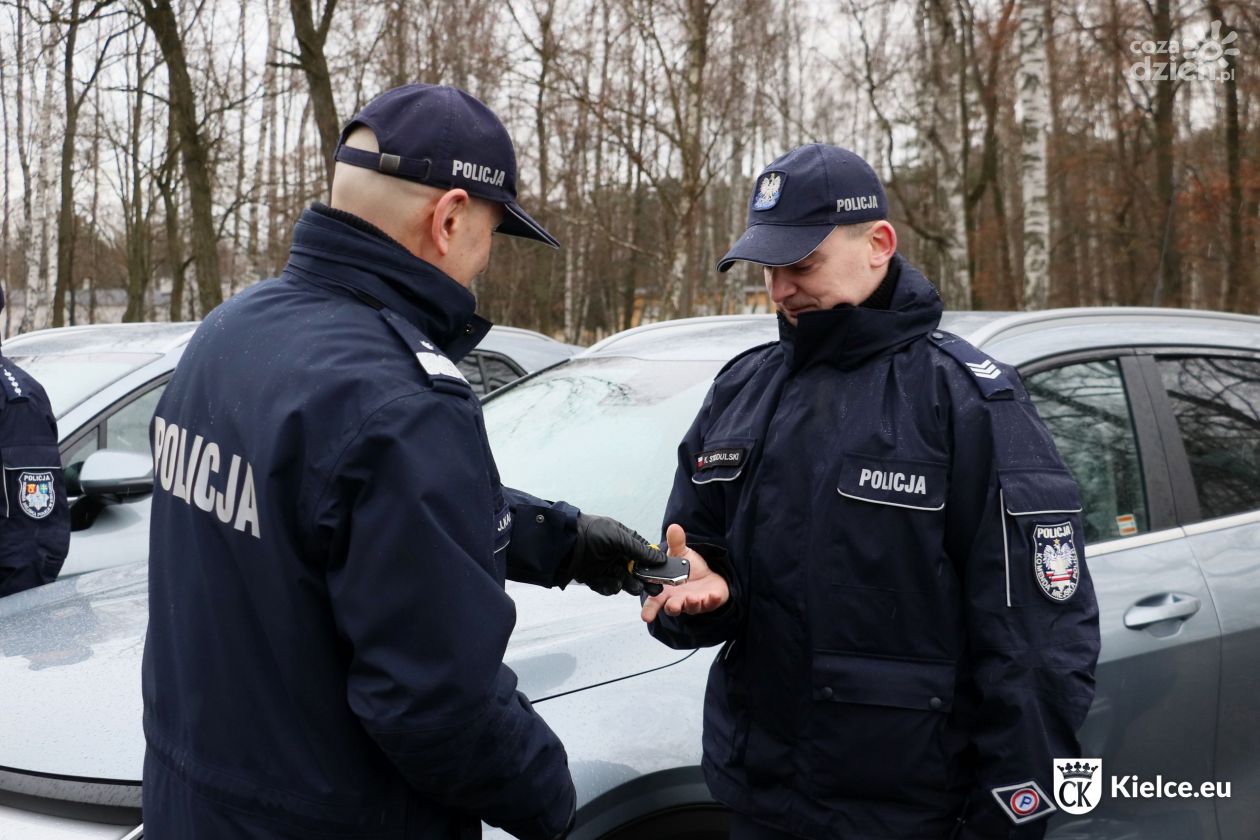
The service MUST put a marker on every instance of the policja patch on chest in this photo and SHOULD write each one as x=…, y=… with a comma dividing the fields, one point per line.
x=36, y=495
x=1055, y=562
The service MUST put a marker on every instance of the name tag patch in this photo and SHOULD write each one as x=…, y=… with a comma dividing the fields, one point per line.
x=729, y=457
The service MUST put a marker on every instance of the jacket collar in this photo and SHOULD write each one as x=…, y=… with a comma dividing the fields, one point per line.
x=329, y=251
x=848, y=335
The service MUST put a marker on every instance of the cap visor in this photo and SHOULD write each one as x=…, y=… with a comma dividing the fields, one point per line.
x=767, y=244
x=516, y=222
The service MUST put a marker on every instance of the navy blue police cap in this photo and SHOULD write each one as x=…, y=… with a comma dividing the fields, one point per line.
x=800, y=198
x=443, y=137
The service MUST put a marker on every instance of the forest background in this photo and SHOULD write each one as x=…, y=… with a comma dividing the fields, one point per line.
x=1037, y=153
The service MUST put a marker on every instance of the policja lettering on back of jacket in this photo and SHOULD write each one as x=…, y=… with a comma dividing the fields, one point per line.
x=184, y=468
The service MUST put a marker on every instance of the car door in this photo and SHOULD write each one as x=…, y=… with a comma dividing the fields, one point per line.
x=1155, y=709
x=1213, y=399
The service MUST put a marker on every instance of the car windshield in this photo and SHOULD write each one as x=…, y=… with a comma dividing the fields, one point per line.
x=600, y=433
x=70, y=378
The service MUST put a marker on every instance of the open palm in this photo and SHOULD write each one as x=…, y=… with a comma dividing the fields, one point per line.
x=704, y=591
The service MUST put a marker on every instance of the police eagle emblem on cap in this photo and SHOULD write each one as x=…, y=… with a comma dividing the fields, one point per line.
x=36, y=496
x=769, y=189
x=1055, y=562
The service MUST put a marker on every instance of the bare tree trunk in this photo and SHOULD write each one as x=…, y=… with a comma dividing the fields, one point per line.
x=39, y=271
x=160, y=18
x=1168, y=290
x=6, y=241
x=264, y=191
x=311, y=38
x=1033, y=130
x=1238, y=295
x=136, y=221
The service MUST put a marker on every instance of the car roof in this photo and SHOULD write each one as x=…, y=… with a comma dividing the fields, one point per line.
x=531, y=350
x=718, y=337
x=102, y=338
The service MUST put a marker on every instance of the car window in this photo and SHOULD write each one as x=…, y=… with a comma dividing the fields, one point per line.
x=72, y=459
x=127, y=429
x=1217, y=405
x=1085, y=407
x=470, y=366
x=498, y=372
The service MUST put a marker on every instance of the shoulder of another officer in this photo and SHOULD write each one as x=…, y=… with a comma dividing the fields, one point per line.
x=992, y=379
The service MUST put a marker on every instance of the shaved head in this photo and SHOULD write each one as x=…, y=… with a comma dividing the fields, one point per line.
x=447, y=228
x=381, y=199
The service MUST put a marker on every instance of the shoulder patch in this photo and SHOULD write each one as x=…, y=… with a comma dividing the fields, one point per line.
x=992, y=381
x=439, y=370
x=731, y=362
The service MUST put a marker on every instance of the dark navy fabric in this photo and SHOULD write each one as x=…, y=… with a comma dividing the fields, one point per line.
x=327, y=559
x=34, y=512
x=890, y=657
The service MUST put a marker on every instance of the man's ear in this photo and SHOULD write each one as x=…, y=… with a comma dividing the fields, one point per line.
x=449, y=213
x=883, y=241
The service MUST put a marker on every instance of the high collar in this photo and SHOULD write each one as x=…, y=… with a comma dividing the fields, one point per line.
x=848, y=335
x=355, y=259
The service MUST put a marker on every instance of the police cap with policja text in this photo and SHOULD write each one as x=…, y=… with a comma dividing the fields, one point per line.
x=800, y=198
x=443, y=137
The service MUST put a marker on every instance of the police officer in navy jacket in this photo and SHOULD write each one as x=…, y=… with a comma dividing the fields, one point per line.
x=34, y=513
x=893, y=544
x=327, y=618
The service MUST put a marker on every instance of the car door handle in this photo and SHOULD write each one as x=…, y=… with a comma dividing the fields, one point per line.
x=1162, y=607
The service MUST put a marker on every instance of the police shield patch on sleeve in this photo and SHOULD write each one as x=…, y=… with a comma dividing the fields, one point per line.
x=1055, y=562
x=1023, y=802
x=36, y=495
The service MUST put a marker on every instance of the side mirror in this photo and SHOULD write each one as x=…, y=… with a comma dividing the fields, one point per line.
x=121, y=475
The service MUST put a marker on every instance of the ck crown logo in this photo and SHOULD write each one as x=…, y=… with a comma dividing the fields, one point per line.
x=1078, y=784
x=987, y=370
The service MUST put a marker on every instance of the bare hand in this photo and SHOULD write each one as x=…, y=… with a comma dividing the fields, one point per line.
x=704, y=591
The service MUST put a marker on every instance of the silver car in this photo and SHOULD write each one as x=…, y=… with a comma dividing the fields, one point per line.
x=1156, y=411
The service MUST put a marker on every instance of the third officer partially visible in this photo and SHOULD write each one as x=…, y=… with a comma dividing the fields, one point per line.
x=34, y=514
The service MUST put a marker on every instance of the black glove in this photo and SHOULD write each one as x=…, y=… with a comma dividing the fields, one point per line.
x=603, y=555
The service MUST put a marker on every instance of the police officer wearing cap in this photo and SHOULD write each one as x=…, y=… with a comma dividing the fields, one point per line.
x=34, y=513
x=893, y=544
x=330, y=538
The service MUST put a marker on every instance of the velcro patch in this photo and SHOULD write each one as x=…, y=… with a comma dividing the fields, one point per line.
x=1023, y=802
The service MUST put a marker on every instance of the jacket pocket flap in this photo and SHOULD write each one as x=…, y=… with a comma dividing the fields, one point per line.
x=721, y=460
x=901, y=482
x=877, y=681
x=1029, y=492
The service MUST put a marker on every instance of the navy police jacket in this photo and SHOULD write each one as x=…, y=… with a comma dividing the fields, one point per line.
x=912, y=631
x=327, y=618
x=34, y=513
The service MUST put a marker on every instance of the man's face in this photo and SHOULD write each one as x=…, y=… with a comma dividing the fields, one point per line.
x=838, y=271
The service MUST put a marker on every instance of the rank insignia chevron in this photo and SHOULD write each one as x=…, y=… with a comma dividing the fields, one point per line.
x=988, y=370
x=992, y=381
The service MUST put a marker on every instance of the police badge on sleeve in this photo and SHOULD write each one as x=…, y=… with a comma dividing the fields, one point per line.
x=36, y=495
x=1057, y=566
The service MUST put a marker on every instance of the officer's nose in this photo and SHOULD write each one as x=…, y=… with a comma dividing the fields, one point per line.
x=779, y=283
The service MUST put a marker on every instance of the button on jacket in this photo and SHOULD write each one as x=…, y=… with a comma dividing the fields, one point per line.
x=34, y=513
x=912, y=630
x=328, y=553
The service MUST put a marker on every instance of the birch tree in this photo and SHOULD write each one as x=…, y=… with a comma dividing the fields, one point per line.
x=1035, y=114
